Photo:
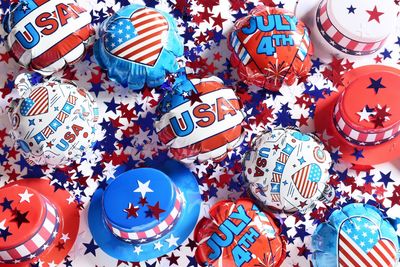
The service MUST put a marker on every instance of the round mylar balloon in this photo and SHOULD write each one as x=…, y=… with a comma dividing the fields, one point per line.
x=288, y=170
x=138, y=45
x=53, y=122
x=238, y=234
x=47, y=35
x=270, y=47
x=200, y=119
x=357, y=235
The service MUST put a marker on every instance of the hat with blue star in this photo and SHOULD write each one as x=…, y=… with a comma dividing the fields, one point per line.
x=362, y=119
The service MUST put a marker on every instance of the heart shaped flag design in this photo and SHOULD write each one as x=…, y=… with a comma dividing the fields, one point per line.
x=360, y=244
x=37, y=103
x=306, y=180
x=138, y=38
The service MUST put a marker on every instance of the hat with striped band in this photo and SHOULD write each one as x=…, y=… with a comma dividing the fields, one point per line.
x=36, y=223
x=145, y=213
x=354, y=27
x=362, y=119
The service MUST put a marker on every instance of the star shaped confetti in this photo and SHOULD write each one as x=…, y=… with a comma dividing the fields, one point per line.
x=132, y=211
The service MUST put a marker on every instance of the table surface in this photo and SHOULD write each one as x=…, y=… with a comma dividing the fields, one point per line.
x=209, y=22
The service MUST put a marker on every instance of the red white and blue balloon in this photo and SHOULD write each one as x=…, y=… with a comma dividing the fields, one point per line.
x=356, y=235
x=200, y=119
x=47, y=35
x=139, y=45
x=53, y=122
x=288, y=170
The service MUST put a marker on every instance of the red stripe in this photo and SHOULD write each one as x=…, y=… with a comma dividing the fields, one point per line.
x=352, y=45
x=62, y=48
x=152, y=52
x=14, y=254
x=337, y=37
x=17, y=50
x=141, y=235
x=31, y=246
x=124, y=235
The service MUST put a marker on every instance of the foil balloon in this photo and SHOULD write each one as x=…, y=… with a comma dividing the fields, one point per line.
x=356, y=235
x=200, y=119
x=288, y=170
x=138, y=46
x=53, y=122
x=45, y=36
x=270, y=47
x=238, y=234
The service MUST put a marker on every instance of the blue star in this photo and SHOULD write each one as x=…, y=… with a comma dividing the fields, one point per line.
x=398, y=41
x=386, y=54
x=358, y=153
x=192, y=261
x=301, y=160
x=4, y=233
x=316, y=63
x=111, y=106
x=280, y=5
x=351, y=9
x=91, y=247
x=6, y=204
x=31, y=122
x=368, y=178
x=335, y=156
x=301, y=232
x=376, y=85
x=385, y=178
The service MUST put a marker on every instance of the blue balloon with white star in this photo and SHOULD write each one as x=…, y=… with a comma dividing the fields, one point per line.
x=139, y=46
x=356, y=235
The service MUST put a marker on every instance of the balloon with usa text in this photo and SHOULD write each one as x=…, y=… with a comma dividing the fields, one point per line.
x=53, y=122
x=47, y=35
x=288, y=170
x=356, y=235
x=200, y=119
x=270, y=47
x=238, y=234
x=138, y=46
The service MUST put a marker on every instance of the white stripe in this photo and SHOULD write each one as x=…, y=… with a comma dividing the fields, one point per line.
x=140, y=45
x=146, y=52
x=388, y=133
x=51, y=209
x=38, y=240
x=344, y=42
x=23, y=251
x=341, y=123
x=134, y=40
x=49, y=226
x=162, y=25
x=208, y=79
x=354, y=134
x=133, y=236
x=371, y=138
x=150, y=233
x=174, y=213
x=331, y=31
x=5, y=256
x=246, y=59
x=162, y=226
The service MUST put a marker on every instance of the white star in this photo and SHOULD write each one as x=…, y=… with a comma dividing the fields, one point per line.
x=138, y=249
x=25, y=196
x=143, y=188
x=364, y=114
x=172, y=241
x=158, y=245
x=52, y=264
x=64, y=237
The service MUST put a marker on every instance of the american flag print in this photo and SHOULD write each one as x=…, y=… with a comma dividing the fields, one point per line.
x=306, y=180
x=138, y=39
x=37, y=103
x=360, y=245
